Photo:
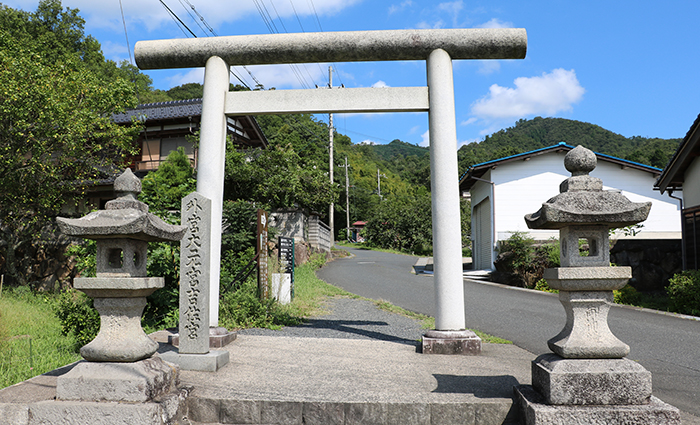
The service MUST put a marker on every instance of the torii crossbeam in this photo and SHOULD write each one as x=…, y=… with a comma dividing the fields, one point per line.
x=437, y=47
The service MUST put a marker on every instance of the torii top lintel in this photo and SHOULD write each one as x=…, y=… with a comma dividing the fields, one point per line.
x=350, y=46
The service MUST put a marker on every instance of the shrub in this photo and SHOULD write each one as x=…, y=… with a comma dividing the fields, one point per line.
x=684, y=292
x=542, y=285
x=77, y=315
x=162, y=308
x=524, y=261
x=84, y=254
x=243, y=308
x=627, y=295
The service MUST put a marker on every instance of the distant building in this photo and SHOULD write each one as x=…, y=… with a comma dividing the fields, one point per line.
x=504, y=190
x=167, y=125
x=682, y=174
x=356, y=229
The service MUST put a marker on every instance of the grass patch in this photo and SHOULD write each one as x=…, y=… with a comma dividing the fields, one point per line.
x=310, y=292
x=31, y=342
x=428, y=322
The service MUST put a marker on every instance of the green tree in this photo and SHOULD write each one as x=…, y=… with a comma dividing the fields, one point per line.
x=55, y=134
x=164, y=188
x=391, y=226
x=277, y=178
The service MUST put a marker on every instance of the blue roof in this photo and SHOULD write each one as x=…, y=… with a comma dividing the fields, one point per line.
x=568, y=146
x=487, y=164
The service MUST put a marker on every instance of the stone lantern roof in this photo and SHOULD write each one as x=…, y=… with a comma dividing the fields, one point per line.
x=124, y=217
x=582, y=200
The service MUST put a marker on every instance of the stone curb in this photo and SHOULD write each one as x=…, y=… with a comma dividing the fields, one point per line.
x=206, y=410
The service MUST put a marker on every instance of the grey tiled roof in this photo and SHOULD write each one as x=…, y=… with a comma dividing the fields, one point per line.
x=162, y=110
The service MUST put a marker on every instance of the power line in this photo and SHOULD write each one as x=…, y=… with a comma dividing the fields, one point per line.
x=178, y=18
x=128, y=46
x=201, y=18
x=174, y=15
x=316, y=14
x=295, y=14
x=367, y=135
x=278, y=16
x=189, y=12
x=269, y=22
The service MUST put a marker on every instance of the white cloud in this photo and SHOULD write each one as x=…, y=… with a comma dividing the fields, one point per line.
x=466, y=142
x=152, y=15
x=114, y=51
x=547, y=94
x=426, y=139
x=471, y=120
x=380, y=83
x=495, y=23
x=423, y=25
x=368, y=142
x=195, y=75
x=488, y=67
x=452, y=6
x=399, y=7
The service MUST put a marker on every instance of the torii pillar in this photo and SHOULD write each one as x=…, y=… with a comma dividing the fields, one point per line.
x=437, y=47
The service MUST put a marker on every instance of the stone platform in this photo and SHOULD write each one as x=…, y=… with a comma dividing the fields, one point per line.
x=295, y=380
x=353, y=381
x=286, y=380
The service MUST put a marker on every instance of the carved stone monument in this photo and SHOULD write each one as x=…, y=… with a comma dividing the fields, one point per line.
x=586, y=378
x=195, y=336
x=120, y=364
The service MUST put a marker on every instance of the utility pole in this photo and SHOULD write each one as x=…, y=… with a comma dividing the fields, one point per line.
x=347, y=198
x=379, y=183
x=330, y=161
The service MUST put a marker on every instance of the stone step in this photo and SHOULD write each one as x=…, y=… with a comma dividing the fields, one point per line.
x=221, y=411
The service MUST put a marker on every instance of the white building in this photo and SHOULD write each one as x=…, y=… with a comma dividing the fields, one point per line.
x=504, y=190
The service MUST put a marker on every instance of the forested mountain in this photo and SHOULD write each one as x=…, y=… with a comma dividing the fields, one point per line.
x=398, y=149
x=540, y=132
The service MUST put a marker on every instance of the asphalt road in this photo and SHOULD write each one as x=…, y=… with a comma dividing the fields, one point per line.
x=666, y=345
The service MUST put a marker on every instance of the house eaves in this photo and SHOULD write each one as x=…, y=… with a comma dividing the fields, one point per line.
x=164, y=113
x=673, y=175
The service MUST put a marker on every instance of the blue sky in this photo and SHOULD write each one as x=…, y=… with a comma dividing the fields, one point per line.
x=631, y=67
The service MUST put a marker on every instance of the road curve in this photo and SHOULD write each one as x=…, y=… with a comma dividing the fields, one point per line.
x=667, y=345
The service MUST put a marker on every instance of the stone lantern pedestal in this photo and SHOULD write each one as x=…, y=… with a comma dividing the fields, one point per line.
x=120, y=364
x=586, y=378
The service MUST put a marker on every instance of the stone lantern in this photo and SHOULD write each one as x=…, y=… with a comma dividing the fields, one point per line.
x=122, y=232
x=122, y=380
x=587, y=376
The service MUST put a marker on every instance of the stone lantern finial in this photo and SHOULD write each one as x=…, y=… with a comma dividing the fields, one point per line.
x=580, y=161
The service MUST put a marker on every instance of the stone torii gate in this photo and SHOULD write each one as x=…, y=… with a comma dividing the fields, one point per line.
x=437, y=47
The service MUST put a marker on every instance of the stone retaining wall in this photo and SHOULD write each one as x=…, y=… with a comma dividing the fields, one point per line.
x=653, y=261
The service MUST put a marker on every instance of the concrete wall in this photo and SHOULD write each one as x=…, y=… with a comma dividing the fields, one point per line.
x=653, y=262
x=291, y=224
